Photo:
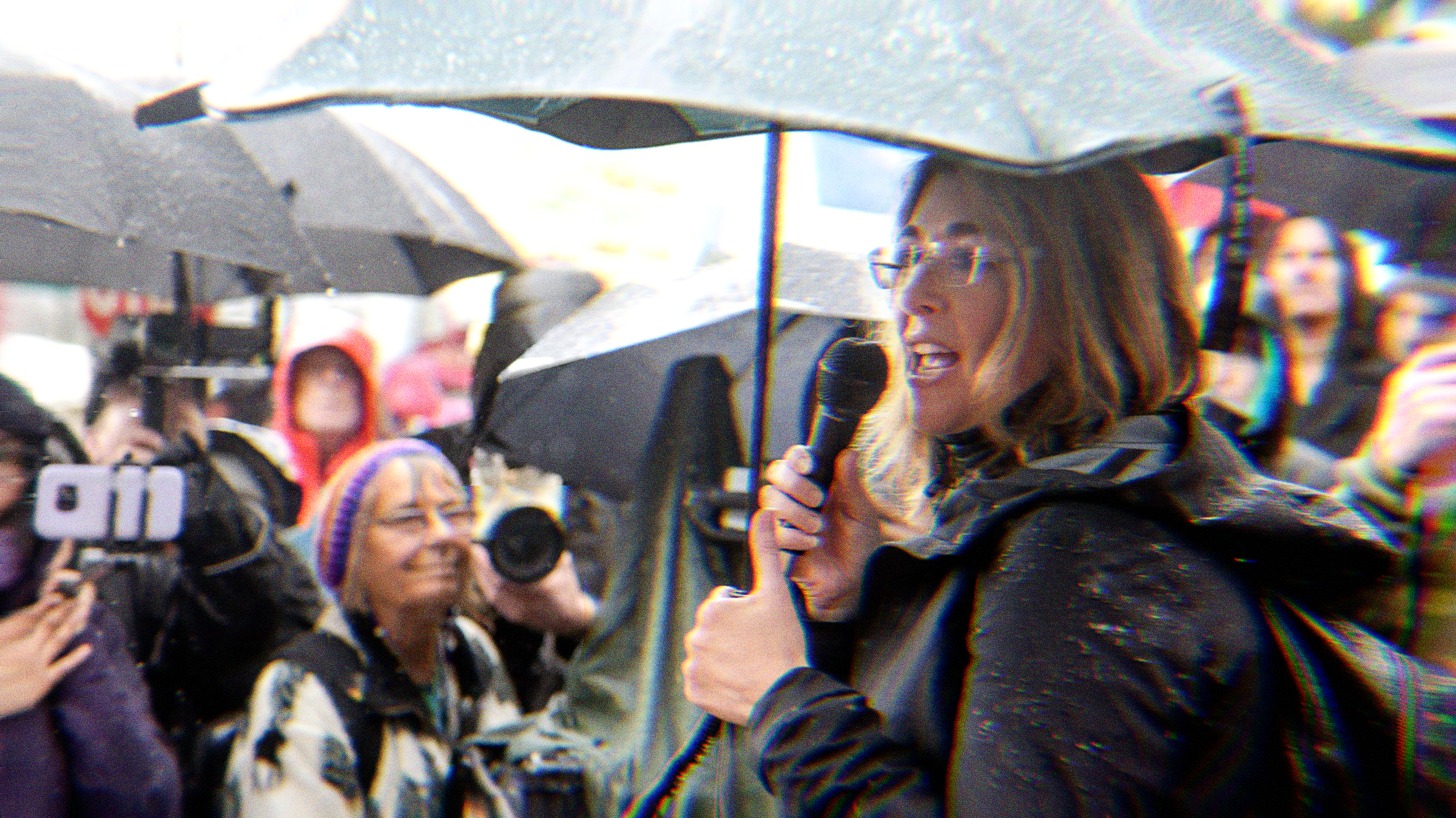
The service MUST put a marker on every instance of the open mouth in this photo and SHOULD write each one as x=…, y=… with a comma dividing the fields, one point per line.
x=928, y=361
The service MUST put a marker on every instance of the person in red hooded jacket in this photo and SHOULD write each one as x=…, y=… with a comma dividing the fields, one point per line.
x=326, y=405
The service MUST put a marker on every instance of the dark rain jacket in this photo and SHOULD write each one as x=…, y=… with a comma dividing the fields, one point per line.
x=205, y=619
x=1342, y=408
x=1079, y=637
x=90, y=748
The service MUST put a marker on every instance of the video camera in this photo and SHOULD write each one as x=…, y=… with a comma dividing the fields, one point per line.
x=130, y=505
x=182, y=346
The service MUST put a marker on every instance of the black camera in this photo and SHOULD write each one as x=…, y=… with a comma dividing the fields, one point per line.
x=181, y=346
x=525, y=544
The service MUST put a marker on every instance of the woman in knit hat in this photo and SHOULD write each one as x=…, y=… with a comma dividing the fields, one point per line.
x=373, y=705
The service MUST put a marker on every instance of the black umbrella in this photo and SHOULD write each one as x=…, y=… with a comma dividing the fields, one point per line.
x=380, y=218
x=581, y=401
x=88, y=199
x=1355, y=190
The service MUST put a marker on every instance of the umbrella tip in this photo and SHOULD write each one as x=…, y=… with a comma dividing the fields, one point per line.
x=179, y=105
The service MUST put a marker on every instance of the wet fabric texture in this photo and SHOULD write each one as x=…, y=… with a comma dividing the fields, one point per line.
x=622, y=715
x=1342, y=408
x=1084, y=636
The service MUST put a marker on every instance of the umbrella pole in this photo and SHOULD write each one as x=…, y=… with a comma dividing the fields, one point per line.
x=710, y=727
x=1227, y=303
x=767, y=263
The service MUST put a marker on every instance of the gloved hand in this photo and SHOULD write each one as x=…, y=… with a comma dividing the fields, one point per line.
x=216, y=526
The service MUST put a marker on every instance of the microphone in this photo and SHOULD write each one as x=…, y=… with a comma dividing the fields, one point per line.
x=851, y=377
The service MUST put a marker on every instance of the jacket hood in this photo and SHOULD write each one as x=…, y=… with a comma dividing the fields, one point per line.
x=1178, y=468
x=302, y=445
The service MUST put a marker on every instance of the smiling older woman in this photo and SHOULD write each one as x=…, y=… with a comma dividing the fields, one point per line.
x=1075, y=630
x=366, y=715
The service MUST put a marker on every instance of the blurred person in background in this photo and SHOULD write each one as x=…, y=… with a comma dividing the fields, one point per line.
x=1404, y=473
x=535, y=645
x=77, y=734
x=1311, y=272
x=1404, y=477
x=1419, y=307
x=1245, y=394
x=430, y=387
x=204, y=613
x=326, y=405
x=249, y=402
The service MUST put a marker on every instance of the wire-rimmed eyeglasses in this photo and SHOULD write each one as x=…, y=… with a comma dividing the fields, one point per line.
x=959, y=260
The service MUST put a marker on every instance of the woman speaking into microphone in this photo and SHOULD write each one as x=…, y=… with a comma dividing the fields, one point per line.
x=1064, y=626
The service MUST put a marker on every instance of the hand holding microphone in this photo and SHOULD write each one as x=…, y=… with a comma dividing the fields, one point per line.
x=831, y=533
x=743, y=642
x=851, y=377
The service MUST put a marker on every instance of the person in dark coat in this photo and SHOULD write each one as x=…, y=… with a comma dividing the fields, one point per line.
x=77, y=736
x=203, y=618
x=1328, y=328
x=1073, y=626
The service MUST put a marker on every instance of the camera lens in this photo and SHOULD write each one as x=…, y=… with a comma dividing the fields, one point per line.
x=66, y=497
x=524, y=544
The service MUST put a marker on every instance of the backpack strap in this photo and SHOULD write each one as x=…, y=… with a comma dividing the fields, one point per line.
x=338, y=666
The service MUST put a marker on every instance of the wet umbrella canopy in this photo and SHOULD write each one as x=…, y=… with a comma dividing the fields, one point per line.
x=380, y=218
x=1033, y=83
x=1417, y=77
x=91, y=200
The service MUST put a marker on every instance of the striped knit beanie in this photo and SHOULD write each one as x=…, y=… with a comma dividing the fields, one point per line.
x=339, y=509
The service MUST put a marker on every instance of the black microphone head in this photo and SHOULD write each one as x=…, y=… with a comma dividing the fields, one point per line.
x=852, y=376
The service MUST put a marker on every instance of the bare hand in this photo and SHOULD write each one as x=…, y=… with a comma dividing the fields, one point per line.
x=742, y=643
x=31, y=642
x=834, y=543
x=1416, y=422
x=119, y=432
x=555, y=603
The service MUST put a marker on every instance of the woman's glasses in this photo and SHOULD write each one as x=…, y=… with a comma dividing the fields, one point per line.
x=415, y=522
x=958, y=262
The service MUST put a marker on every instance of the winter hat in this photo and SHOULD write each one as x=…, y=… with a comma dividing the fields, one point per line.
x=339, y=506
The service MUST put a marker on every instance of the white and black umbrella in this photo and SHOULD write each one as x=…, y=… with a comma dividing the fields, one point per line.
x=582, y=400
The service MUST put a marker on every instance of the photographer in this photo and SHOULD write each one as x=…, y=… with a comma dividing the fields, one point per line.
x=204, y=613
x=78, y=735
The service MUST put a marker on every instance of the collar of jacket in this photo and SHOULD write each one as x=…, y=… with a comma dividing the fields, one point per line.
x=388, y=690
x=1176, y=467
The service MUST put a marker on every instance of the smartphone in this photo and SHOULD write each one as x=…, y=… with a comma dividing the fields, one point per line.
x=119, y=503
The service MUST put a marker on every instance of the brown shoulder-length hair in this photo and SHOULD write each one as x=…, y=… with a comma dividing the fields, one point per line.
x=1102, y=296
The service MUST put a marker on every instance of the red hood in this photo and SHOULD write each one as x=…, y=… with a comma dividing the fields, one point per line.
x=301, y=444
